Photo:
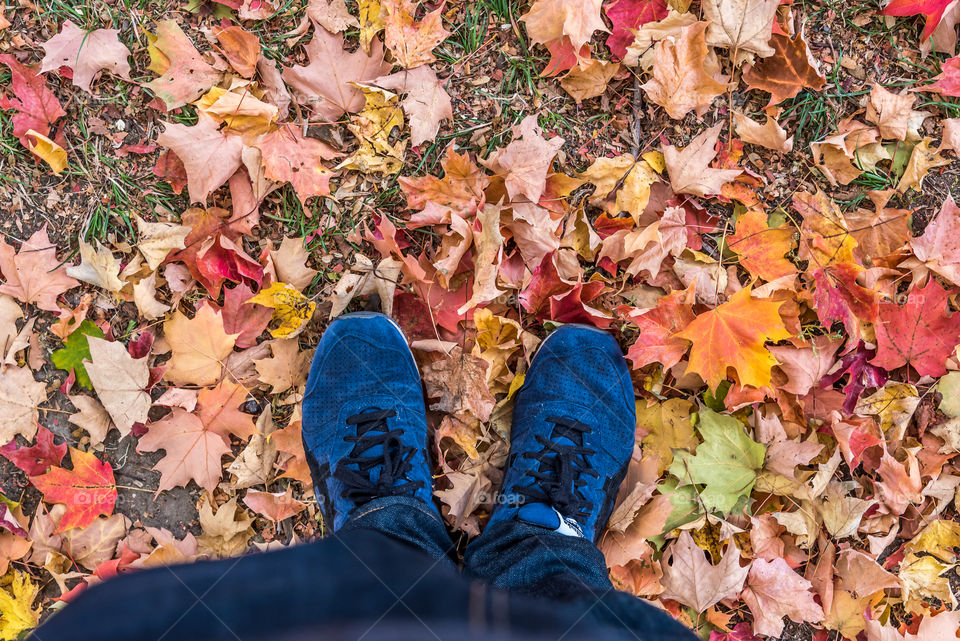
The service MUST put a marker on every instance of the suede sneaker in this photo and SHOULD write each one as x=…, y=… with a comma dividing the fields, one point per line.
x=364, y=421
x=572, y=437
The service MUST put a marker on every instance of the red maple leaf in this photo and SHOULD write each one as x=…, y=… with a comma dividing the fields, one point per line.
x=626, y=16
x=88, y=490
x=37, y=106
x=932, y=10
x=37, y=458
x=920, y=333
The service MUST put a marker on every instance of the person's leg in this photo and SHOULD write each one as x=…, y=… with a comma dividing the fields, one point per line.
x=365, y=436
x=571, y=440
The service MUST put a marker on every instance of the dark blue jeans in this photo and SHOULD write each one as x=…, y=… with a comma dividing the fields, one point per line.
x=390, y=573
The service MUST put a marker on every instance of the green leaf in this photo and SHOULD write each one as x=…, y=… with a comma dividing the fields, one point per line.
x=75, y=350
x=726, y=463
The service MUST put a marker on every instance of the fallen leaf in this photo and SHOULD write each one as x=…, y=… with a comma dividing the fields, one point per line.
x=459, y=382
x=762, y=249
x=92, y=417
x=47, y=150
x=626, y=16
x=219, y=411
x=192, y=451
x=34, y=274
x=289, y=156
x=240, y=47
x=411, y=41
x=589, y=79
x=426, y=102
x=733, y=335
x=688, y=577
x=548, y=20
x=286, y=368
x=276, y=506
x=75, y=350
x=292, y=309
x=689, y=168
x=19, y=397
x=922, y=160
x=741, y=25
x=680, y=82
x=120, y=381
x=86, y=53
x=789, y=70
x=37, y=108
x=17, y=614
x=769, y=135
x=183, y=74
x=36, y=459
x=774, y=591
x=332, y=15
x=97, y=267
x=199, y=346
x=225, y=532
x=208, y=155
x=87, y=491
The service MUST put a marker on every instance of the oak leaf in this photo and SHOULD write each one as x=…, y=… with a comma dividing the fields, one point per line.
x=183, y=74
x=34, y=274
x=548, y=20
x=689, y=168
x=680, y=82
x=411, y=41
x=86, y=53
x=192, y=451
x=19, y=397
x=87, y=491
x=208, y=155
x=327, y=80
x=199, y=347
x=789, y=70
x=919, y=333
x=688, y=577
x=741, y=25
x=733, y=335
x=37, y=108
x=774, y=591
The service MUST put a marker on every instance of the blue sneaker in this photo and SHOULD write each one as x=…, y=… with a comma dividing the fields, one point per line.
x=364, y=421
x=573, y=434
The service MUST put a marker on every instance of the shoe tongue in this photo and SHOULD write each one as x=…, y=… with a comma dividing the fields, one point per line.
x=542, y=515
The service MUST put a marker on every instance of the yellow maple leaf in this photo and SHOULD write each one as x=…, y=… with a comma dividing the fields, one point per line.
x=16, y=600
x=292, y=309
x=48, y=151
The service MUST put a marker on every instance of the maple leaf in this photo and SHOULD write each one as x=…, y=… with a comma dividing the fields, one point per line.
x=226, y=532
x=939, y=245
x=589, y=79
x=97, y=267
x=92, y=417
x=426, y=102
x=919, y=333
x=290, y=263
x=656, y=340
x=37, y=107
x=460, y=191
x=208, y=155
x=762, y=249
x=275, y=506
x=34, y=274
x=680, y=82
x=219, y=411
x=805, y=367
x=824, y=233
x=922, y=159
x=689, y=168
x=240, y=47
x=741, y=25
x=726, y=462
x=47, y=150
x=788, y=71
x=733, y=335
x=774, y=591
x=932, y=10
x=16, y=606
x=327, y=81
x=769, y=134
x=19, y=397
x=377, y=153
x=669, y=428
x=459, y=381
x=289, y=156
x=412, y=41
x=192, y=451
x=38, y=458
x=548, y=20
x=87, y=491
x=524, y=163
x=626, y=16
x=246, y=320
x=86, y=53
x=199, y=347
x=75, y=350
x=332, y=15
x=286, y=368
x=688, y=577
x=120, y=381
x=184, y=75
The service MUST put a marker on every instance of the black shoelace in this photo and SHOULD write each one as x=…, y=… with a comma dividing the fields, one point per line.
x=558, y=480
x=394, y=461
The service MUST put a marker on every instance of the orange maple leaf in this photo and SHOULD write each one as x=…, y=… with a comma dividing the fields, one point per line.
x=88, y=490
x=733, y=335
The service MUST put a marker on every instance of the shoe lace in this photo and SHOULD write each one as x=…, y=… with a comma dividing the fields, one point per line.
x=394, y=460
x=562, y=466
